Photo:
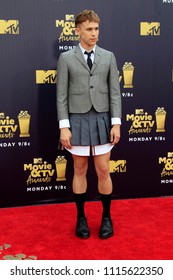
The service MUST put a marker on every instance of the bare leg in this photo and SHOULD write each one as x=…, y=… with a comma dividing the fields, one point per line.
x=102, y=169
x=80, y=170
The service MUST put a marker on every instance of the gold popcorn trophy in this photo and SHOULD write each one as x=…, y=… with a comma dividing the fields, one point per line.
x=61, y=164
x=160, y=119
x=128, y=71
x=24, y=123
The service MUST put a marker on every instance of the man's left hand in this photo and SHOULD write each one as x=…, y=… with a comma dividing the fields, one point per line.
x=115, y=134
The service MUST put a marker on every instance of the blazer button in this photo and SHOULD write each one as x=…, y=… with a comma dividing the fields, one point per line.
x=91, y=75
x=91, y=87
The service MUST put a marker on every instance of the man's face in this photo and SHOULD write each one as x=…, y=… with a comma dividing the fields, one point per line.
x=88, y=32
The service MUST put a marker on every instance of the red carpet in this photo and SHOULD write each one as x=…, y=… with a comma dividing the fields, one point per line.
x=143, y=230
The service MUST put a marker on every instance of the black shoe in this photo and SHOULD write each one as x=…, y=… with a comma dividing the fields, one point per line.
x=82, y=229
x=106, y=228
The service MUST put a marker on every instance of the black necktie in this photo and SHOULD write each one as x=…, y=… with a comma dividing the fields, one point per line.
x=89, y=61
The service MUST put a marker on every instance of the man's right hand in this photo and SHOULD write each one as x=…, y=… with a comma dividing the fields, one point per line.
x=65, y=137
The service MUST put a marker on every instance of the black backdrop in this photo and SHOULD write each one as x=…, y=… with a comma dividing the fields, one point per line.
x=32, y=35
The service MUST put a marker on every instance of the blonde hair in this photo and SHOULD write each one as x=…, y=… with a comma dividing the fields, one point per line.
x=85, y=15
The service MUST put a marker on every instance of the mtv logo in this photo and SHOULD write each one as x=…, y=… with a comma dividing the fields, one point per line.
x=150, y=28
x=69, y=17
x=9, y=27
x=170, y=154
x=46, y=77
x=37, y=160
x=139, y=111
x=117, y=166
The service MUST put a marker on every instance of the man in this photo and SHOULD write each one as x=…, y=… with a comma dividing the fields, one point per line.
x=89, y=114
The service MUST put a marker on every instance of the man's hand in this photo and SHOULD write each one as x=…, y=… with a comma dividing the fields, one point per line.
x=115, y=134
x=65, y=137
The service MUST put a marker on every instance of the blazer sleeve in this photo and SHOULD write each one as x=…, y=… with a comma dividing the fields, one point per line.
x=114, y=90
x=62, y=88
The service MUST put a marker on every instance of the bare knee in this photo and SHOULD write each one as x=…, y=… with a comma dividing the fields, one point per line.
x=102, y=166
x=80, y=165
x=103, y=172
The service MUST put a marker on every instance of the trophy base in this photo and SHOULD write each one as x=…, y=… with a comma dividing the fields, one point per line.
x=128, y=86
x=160, y=130
x=24, y=135
x=61, y=179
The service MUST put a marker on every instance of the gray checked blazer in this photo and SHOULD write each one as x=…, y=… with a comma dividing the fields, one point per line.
x=78, y=88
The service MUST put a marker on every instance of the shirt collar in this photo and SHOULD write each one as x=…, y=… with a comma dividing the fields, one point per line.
x=83, y=50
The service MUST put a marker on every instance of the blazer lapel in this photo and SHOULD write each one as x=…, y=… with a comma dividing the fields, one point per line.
x=98, y=55
x=80, y=57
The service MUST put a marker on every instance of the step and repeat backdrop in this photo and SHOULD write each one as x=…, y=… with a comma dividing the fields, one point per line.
x=33, y=33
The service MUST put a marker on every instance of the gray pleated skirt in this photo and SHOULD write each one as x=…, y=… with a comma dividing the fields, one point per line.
x=90, y=129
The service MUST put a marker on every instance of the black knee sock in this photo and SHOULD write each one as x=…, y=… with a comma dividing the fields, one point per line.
x=106, y=203
x=80, y=201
